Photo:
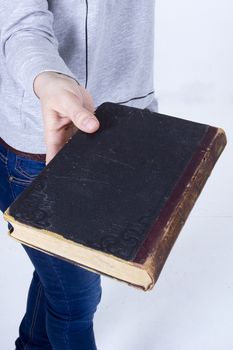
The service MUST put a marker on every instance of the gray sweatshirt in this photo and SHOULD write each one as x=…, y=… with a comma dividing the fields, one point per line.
x=107, y=45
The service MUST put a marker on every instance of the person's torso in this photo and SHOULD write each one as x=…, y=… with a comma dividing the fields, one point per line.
x=109, y=47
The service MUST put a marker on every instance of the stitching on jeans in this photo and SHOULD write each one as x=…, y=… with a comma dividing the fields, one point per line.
x=21, y=182
x=3, y=158
x=35, y=313
x=67, y=303
x=8, y=173
x=23, y=172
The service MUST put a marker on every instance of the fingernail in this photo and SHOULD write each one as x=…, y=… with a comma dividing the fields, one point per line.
x=89, y=123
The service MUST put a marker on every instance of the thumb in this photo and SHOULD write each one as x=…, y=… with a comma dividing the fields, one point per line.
x=83, y=118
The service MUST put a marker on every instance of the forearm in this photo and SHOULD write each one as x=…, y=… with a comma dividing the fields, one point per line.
x=28, y=42
x=30, y=50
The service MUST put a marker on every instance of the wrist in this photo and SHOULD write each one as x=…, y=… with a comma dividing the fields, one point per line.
x=43, y=80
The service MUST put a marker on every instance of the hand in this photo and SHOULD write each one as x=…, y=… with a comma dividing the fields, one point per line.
x=66, y=107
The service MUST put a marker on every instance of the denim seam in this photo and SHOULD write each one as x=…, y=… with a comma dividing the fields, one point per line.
x=8, y=173
x=3, y=158
x=67, y=303
x=19, y=181
x=18, y=167
x=35, y=313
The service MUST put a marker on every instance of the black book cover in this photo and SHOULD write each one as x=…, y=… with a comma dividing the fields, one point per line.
x=107, y=190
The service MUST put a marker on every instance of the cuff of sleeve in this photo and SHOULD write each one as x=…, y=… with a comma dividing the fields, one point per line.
x=66, y=72
x=46, y=68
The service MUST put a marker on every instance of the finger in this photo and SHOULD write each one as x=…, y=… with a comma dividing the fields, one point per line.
x=52, y=150
x=56, y=133
x=86, y=121
x=88, y=102
x=81, y=116
x=87, y=99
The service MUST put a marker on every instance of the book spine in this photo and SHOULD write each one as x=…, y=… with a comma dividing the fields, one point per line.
x=165, y=230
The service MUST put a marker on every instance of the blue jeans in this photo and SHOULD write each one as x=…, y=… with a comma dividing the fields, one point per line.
x=62, y=297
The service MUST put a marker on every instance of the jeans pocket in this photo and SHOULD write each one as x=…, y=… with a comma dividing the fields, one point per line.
x=27, y=169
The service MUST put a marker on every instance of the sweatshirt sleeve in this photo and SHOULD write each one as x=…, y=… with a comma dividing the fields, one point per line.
x=28, y=43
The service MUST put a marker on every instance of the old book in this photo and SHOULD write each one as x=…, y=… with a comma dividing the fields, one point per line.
x=115, y=201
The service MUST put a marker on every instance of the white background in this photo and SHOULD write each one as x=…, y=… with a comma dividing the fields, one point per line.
x=191, y=305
